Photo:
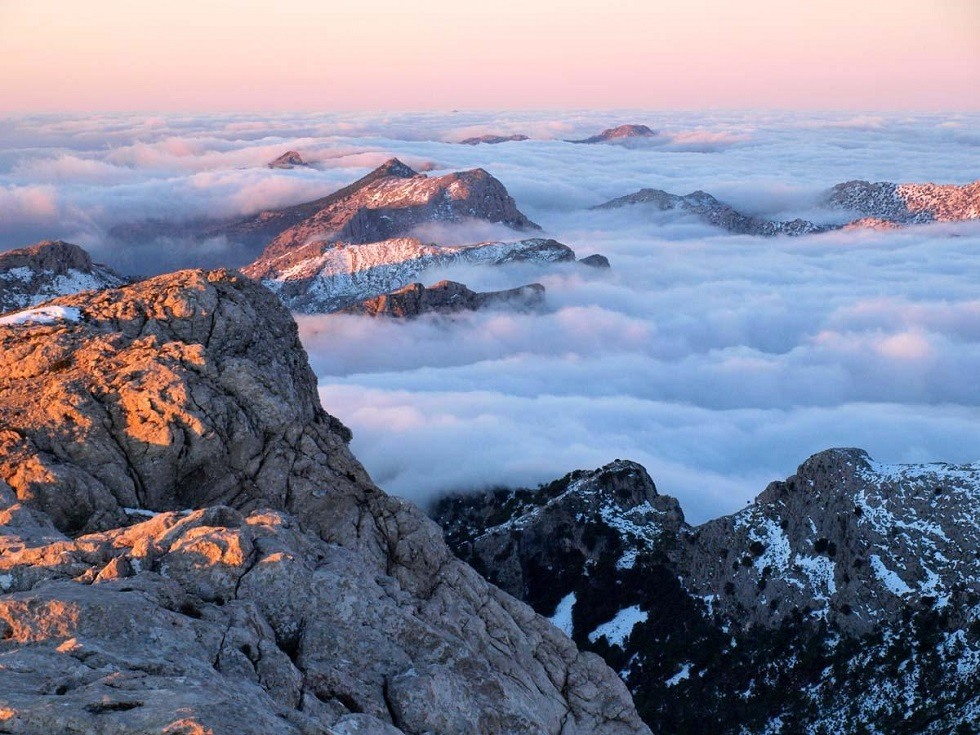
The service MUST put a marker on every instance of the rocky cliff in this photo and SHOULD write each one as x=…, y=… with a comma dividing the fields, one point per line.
x=447, y=297
x=48, y=269
x=324, y=277
x=188, y=546
x=846, y=597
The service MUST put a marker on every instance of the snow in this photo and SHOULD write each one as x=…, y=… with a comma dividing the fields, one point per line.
x=141, y=512
x=43, y=315
x=6, y=582
x=819, y=570
x=892, y=581
x=684, y=673
x=618, y=629
x=562, y=619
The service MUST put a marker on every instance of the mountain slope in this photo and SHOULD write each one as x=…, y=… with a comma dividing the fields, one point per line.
x=48, y=269
x=188, y=546
x=844, y=599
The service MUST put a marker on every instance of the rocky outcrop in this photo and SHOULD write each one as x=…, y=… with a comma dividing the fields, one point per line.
x=447, y=297
x=187, y=545
x=713, y=212
x=493, y=139
x=289, y=159
x=324, y=277
x=823, y=585
x=595, y=261
x=49, y=269
x=620, y=134
x=908, y=203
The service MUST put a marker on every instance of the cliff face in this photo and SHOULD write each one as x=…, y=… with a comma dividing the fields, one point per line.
x=49, y=269
x=847, y=580
x=189, y=546
x=447, y=297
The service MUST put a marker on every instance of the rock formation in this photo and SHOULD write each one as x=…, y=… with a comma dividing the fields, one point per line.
x=620, y=134
x=493, y=139
x=718, y=214
x=289, y=159
x=845, y=581
x=48, y=269
x=595, y=261
x=908, y=203
x=188, y=546
x=323, y=277
x=447, y=297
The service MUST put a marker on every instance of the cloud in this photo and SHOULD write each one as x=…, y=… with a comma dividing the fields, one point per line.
x=719, y=362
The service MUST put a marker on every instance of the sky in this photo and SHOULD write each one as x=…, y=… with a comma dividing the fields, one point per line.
x=259, y=55
x=718, y=362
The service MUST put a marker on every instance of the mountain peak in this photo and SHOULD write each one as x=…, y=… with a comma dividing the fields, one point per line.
x=619, y=133
x=394, y=167
x=289, y=159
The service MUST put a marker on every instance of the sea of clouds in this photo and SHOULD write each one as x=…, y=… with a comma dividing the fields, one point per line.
x=719, y=362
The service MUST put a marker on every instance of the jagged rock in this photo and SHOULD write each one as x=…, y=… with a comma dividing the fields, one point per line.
x=48, y=269
x=622, y=133
x=715, y=213
x=289, y=159
x=324, y=277
x=447, y=297
x=189, y=546
x=595, y=261
x=801, y=607
x=493, y=139
x=908, y=203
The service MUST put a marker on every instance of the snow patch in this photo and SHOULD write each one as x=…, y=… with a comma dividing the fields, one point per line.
x=562, y=619
x=684, y=673
x=887, y=577
x=618, y=629
x=43, y=315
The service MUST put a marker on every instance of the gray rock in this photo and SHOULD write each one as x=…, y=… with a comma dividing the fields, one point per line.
x=620, y=134
x=493, y=139
x=595, y=261
x=448, y=297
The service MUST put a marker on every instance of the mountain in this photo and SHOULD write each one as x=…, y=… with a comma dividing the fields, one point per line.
x=323, y=277
x=883, y=204
x=908, y=203
x=620, y=134
x=844, y=599
x=289, y=159
x=388, y=202
x=187, y=545
x=48, y=269
x=447, y=297
x=493, y=139
x=713, y=212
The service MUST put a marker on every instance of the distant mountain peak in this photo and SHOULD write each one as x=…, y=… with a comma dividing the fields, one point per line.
x=289, y=159
x=621, y=132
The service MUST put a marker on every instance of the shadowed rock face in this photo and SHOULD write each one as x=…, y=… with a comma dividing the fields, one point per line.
x=49, y=269
x=324, y=277
x=448, y=297
x=289, y=159
x=493, y=139
x=831, y=580
x=620, y=133
x=188, y=546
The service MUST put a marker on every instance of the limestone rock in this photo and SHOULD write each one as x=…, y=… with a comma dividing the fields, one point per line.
x=448, y=297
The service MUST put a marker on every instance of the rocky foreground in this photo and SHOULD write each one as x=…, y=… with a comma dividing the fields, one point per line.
x=845, y=599
x=188, y=546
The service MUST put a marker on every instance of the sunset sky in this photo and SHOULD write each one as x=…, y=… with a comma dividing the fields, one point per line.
x=259, y=55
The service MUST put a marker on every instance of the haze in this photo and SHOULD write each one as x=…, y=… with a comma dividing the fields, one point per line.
x=208, y=55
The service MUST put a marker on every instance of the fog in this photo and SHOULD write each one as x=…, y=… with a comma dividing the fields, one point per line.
x=719, y=362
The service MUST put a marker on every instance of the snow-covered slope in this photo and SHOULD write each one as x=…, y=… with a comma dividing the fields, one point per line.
x=49, y=269
x=323, y=277
x=908, y=203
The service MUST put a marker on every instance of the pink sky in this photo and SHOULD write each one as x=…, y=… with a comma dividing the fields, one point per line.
x=268, y=55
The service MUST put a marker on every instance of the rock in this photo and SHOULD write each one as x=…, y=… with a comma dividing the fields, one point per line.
x=908, y=203
x=622, y=133
x=447, y=297
x=595, y=261
x=31, y=275
x=325, y=277
x=189, y=546
x=289, y=159
x=713, y=212
x=493, y=139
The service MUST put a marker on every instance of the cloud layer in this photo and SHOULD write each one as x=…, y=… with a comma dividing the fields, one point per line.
x=719, y=362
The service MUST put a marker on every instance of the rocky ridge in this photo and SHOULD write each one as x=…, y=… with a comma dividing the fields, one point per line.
x=188, y=546
x=620, y=134
x=49, y=269
x=493, y=139
x=289, y=159
x=845, y=581
x=324, y=277
x=447, y=297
